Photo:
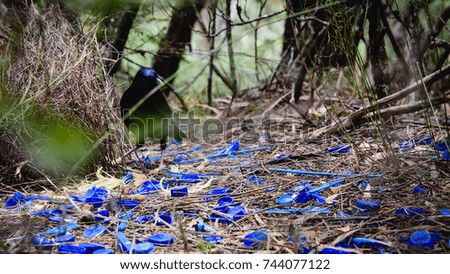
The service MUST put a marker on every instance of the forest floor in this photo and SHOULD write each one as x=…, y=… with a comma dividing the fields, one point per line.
x=291, y=194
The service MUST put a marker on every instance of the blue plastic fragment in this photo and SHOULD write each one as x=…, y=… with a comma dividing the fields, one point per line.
x=71, y=249
x=329, y=250
x=445, y=212
x=225, y=200
x=179, y=191
x=161, y=239
x=232, y=147
x=103, y=251
x=271, y=188
x=94, y=231
x=144, y=219
x=91, y=247
x=302, y=198
x=58, y=218
x=315, y=209
x=213, y=239
x=124, y=217
x=219, y=155
x=123, y=243
x=339, y=149
x=317, y=173
x=148, y=187
x=143, y=248
x=61, y=229
x=361, y=242
x=411, y=211
x=237, y=212
x=15, y=199
x=363, y=184
x=342, y=215
x=424, y=239
x=65, y=238
x=127, y=204
x=42, y=243
x=37, y=197
x=286, y=211
x=93, y=192
x=255, y=238
x=419, y=190
x=406, y=145
x=164, y=218
x=254, y=179
x=446, y=155
x=303, y=250
x=181, y=156
x=218, y=191
x=366, y=204
x=285, y=199
x=98, y=213
x=128, y=178
x=442, y=146
x=95, y=201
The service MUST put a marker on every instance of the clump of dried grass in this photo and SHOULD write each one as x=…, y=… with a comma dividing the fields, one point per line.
x=59, y=69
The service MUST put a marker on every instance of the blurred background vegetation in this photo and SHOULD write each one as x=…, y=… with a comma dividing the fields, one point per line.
x=65, y=63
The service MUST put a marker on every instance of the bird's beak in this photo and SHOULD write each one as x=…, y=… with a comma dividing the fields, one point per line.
x=159, y=81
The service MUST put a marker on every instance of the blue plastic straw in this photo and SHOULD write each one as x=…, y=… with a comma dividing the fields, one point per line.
x=219, y=155
x=330, y=174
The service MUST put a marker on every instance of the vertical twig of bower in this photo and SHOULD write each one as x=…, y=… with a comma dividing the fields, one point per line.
x=211, y=30
x=230, y=53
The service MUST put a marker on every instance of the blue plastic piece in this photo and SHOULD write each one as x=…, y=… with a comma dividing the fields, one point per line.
x=285, y=199
x=127, y=204
x=329, y=250
x=143, y=248
x=218, y=191
x=124, y=217
x=284, y=211
x=361, y=242
x=181, y=156
x=98, y=213
x=442, y=146
x=148, y=187
x=303, y=250
x=93, y=192
x=445, y=212
x=366, y=204
x=446, y=155
x=423, y=239
x=213, y=239
x=255, y=238
x=317, y=173
x=15, y=199
x=339, y=149
x=42, y=243
x=165, y=218
x=225, y=200
x=342, y=214
x=94, y=231
x=124, y=244
x=61, y=229
x=302, y=198
x=91, y=247
x=271, y=188
x=410, y=212
x=71, y=249
x=363, y=184
x=419, y=190
x=128, y=178
x=103, y=251
x=65, y=238
x=406, y=145
x=232, y=147
x=315, y=209
x=37, y=197
x=95, y=201
x=144, y=219
x=161, y=239
x=179, y=191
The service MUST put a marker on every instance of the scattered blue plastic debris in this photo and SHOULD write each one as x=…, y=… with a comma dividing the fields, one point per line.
x=92, y=247
x=94, y=231
x=127, y=204
x=366, y=204
x=445, y=212
x=103, y=251
x=329, y=250
x=37, y=197
x=218, y=191
x=285, y=199
x=229, y=215
x=446, y=155
x=255, y=238
x=423, y=239
x=161, y=239
x=148, y=187
x=124, y=243
x=164, y=218
x=225, y=200
x=339, y=149
x=61, y=229
x=42, y=243
x=98, y=213
x=15, y=199
x=144, y=219
x=271, y=188
x=143, y=248
x=408, y=145
x=213, y=239
x=363, y=184
x=419, y=190
x=442, y=146
x=410, y=212
x=93, y=192
x=128, y=178
x=368, y=242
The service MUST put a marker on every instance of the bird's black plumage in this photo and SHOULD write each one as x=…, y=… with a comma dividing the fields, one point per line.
x=148, y=117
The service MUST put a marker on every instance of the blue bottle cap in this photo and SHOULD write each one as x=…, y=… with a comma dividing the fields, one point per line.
x=179, y=191
x=71, y=249
x=143, y=248
x=161, y=239
x=255, y=238
x=91, y=247
x=420, y=237
x=366, y=204
x=225, y=200
x=65, y=238
x=94, y=231
x=237, y=212
x=103, y=251
x=13, y=200
x=124, y=244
